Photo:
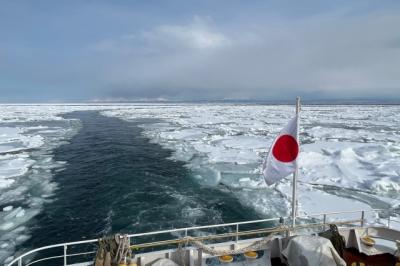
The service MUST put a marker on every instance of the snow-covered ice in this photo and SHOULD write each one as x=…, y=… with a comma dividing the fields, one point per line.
x=343, y=147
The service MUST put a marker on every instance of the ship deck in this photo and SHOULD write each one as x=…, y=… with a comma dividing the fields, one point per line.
x=234, y=241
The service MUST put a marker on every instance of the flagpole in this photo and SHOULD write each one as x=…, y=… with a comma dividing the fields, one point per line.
x=296, y=172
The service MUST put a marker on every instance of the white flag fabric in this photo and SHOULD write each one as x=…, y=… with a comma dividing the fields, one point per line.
x=282, y=156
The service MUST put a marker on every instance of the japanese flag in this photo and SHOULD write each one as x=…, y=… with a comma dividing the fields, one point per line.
x=282, y=156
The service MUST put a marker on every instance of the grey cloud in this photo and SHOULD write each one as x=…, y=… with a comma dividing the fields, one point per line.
x=329, y=55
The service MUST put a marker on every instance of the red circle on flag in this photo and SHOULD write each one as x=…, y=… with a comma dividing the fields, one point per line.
x=285, y=149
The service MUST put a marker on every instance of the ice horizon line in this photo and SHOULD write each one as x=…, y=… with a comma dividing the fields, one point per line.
x=228, y=101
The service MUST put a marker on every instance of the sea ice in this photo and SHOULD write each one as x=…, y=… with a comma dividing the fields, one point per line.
x=8, y=208
x=349, y=147
x=346, y=148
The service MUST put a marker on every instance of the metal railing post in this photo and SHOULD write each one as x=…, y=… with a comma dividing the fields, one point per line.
x=65, y=255
x=388, y=225
x=362, y=218
x=324, y=222
x=186, y=232
x=20, y=262
x=237, y=233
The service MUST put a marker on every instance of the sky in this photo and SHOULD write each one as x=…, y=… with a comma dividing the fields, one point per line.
x=80, y=51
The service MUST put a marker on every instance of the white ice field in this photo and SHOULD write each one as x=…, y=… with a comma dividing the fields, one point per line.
x=350, y=155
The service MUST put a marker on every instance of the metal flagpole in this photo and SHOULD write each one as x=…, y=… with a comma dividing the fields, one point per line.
x=296, y=172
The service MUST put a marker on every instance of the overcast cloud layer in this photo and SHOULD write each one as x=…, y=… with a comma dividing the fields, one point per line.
x=199, y=50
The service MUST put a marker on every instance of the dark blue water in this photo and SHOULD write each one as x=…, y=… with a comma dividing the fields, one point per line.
x=117, y=181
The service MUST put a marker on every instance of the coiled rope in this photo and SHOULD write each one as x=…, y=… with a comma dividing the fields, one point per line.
x=113, y=250
x=124, y=251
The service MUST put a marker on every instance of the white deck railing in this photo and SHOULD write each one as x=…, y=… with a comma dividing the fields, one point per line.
x=23, y=260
